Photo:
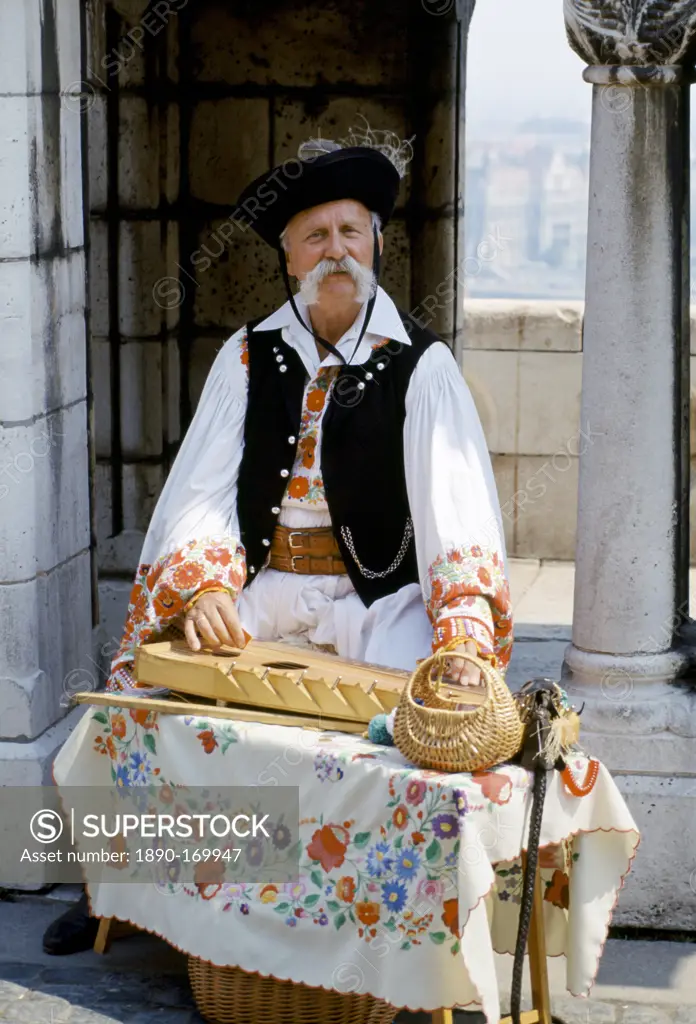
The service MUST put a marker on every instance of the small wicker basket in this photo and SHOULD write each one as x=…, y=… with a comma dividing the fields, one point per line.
x=229, y=995
x=437, y=734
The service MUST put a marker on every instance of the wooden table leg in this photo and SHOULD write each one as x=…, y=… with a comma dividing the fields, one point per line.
x=441, y=1017
x=103, y=939
x=111, y=928
x=538, y=967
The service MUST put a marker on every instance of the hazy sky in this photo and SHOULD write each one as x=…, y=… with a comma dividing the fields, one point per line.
x=520, y=65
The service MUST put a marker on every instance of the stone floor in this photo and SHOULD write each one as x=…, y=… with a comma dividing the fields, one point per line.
x=542, y=604
x=143, y=981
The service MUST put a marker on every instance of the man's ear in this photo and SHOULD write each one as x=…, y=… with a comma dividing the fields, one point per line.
x=288, y=262
x=381, y=242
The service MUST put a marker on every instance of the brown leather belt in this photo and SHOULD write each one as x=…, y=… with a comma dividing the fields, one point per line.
x=309, y=551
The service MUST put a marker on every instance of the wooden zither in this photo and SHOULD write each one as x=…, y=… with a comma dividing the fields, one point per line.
x=264, y=682
x=274, y=677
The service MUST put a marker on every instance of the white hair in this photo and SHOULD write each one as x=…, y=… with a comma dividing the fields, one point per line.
x=375, y=220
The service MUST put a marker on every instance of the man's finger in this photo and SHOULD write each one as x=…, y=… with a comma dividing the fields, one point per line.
x=456, y=668
x=218, y=626
x=234, y=626
x=463, y=672
x=469, y=678
x=206, y=631
x=190, y=634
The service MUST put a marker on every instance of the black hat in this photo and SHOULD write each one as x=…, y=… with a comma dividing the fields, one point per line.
x=356, y=172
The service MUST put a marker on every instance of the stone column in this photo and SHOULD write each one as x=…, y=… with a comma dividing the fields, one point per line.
x=45, y=589
x=437, y=54
x=631, y=587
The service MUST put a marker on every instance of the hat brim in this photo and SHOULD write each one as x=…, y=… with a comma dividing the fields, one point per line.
x=359, y=173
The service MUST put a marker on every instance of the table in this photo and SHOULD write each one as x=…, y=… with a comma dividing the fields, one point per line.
x=410, y=879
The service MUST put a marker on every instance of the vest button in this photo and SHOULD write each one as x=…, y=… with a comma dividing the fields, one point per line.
x=361, y=384
x=368, y=376
x=292, y=439
x=275, y=510
x=380, y=366
x=275, y=348
x=251, y=569
x=266, y=542
x=285, y=472
x=279, y=359
x=283, y=368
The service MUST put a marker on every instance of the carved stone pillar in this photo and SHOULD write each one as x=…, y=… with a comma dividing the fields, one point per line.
x=631, y=588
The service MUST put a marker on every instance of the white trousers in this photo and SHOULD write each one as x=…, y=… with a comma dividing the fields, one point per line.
x=394, y=631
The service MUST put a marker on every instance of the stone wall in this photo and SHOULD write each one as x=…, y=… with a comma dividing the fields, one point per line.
x=45, y=583
x=178, y=125
x=187, y=103
x=523, y=363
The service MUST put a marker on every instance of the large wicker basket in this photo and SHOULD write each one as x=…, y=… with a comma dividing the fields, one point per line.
x=229, y=995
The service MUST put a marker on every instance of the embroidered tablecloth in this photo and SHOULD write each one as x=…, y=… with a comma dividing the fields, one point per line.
x=410, y=879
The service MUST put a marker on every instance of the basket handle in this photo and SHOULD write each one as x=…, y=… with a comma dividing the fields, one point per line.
x=485, y=667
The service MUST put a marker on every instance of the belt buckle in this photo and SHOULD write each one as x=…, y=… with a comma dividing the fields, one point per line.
x=296, y=533
x=292, y=559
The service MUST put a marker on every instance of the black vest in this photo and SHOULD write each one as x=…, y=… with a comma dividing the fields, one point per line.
x=361, y=458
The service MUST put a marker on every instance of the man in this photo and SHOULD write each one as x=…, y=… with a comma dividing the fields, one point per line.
x=334, y=487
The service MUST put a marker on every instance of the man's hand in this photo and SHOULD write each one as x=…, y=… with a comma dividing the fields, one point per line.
x=214, y=618
x=462, y=672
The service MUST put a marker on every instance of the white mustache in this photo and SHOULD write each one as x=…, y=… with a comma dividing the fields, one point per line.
x=364, y=278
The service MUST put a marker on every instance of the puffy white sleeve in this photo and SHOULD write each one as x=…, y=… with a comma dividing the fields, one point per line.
x=193, y=544
x=199, y=498
x=455, y=509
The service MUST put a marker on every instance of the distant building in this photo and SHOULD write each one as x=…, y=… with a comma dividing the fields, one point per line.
x=529, y=188
x=562, y=228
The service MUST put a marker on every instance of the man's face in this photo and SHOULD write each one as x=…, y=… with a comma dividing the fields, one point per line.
x=330, y=231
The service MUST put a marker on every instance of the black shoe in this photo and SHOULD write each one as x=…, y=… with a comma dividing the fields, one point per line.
x=72, y=932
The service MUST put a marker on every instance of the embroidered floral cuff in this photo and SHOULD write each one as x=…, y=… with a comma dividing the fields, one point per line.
x=162, y=591
x=456, y=629
x=211, y=587
x=470, y=598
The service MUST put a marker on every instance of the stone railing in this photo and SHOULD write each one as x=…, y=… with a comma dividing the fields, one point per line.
x=523, y=363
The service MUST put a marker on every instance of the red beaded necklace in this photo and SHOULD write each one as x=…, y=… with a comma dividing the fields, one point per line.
x=581, y=789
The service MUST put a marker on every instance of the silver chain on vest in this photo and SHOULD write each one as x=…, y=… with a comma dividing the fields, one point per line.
x=408, y=534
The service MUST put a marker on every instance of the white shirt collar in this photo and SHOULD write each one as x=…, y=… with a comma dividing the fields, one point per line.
x=385, y=322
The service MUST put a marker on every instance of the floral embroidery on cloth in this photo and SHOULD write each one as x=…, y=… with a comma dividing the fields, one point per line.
x=555, y=862
x=306, y=486
x=458, y=581
x=395, y=877
x=161, y=591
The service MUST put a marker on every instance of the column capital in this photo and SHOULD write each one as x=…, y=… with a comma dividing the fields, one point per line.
x=653, y=32
x=638, y=75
